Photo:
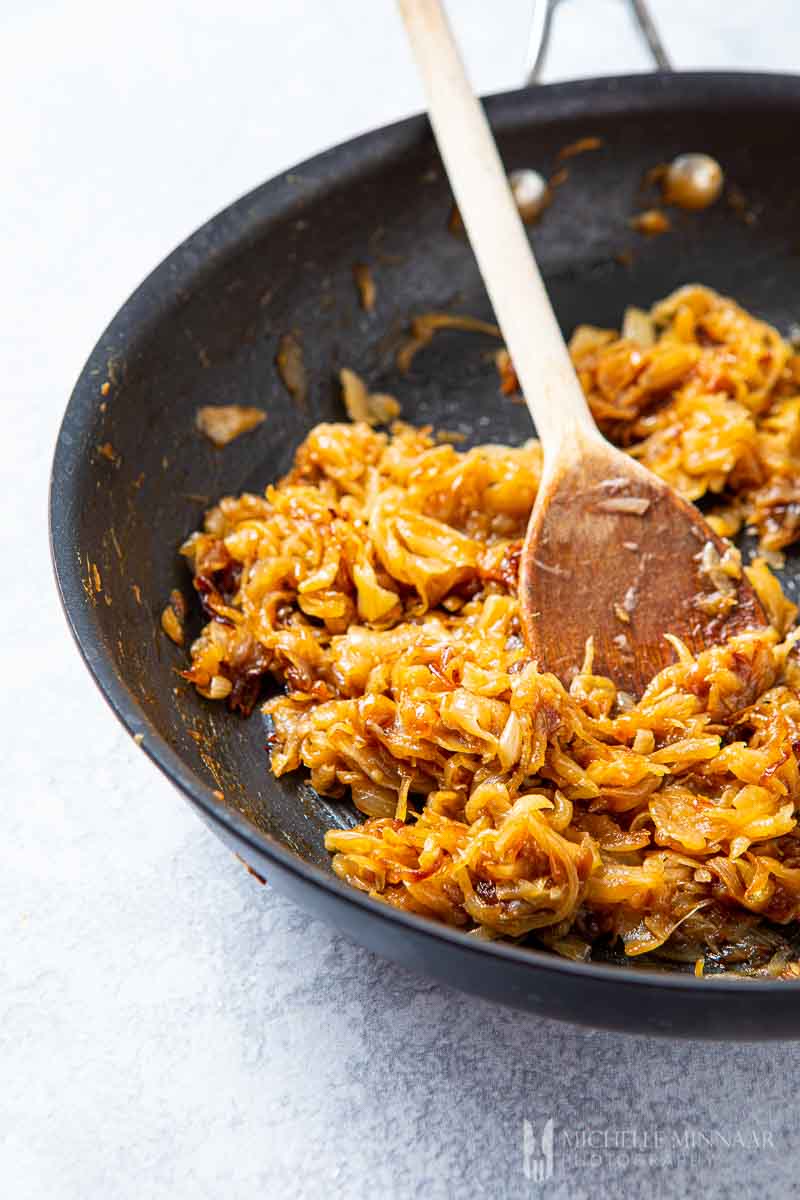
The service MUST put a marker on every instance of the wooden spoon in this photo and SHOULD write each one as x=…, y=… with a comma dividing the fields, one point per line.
x=612, y=553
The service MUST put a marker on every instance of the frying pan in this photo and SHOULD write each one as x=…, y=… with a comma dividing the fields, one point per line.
x=131, y=476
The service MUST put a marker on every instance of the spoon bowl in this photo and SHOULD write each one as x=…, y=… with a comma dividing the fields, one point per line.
x=614, y=559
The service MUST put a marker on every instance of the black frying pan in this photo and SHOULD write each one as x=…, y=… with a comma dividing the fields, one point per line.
x=204, y=327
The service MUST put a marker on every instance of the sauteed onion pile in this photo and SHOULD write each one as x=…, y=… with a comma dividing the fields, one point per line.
x=377, y=583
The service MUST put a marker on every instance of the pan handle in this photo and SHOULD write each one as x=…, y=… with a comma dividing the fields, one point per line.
x=542, y=29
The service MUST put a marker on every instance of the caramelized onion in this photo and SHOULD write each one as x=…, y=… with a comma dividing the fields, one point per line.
x=377, y=583
x=693, y=181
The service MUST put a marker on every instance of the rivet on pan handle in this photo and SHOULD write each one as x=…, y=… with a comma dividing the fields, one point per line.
x=542, y=28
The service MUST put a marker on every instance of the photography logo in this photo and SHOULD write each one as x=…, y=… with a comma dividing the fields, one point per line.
x=537, y=1153
x=591, y=1148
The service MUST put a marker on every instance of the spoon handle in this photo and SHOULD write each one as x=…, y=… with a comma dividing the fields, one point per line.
x=497, y=235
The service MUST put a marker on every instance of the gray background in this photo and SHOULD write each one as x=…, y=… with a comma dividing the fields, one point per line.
x=168, y=1027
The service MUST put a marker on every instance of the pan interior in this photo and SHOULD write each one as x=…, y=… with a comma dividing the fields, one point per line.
x=281, y=261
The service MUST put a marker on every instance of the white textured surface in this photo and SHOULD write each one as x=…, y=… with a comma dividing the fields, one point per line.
x=168, y=1028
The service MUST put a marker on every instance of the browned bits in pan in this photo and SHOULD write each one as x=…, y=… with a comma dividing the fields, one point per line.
x=172, y=625
x=365, y=284
x=221, y=423
x=376, y=408
x=581, y=146
x=652, y=222
x=531, y=193
x=692, y=181
x=426, y=325
x=292, y=368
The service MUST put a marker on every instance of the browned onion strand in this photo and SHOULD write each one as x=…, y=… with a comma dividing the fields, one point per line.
x=708, y=397
x=378, y=583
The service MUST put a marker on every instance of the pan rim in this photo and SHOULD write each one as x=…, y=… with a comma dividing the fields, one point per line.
x=227, y=233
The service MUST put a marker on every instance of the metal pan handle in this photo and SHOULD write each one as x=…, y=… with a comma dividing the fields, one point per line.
x=542, y=29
